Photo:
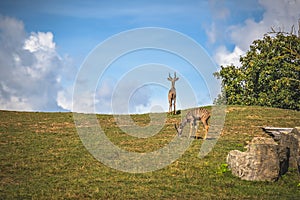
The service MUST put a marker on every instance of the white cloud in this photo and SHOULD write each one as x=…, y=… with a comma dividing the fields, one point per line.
x=225, y=57
x=30, y=68
x=104, y=96
x=40, y=42
x=86, y=102
x=154, y=106
x=111, y=96
x=211, y=33
x=64, y=98
x=122, y=97
x=219, y=10
x=243, y=35
x=277, y=14
x=12, y=32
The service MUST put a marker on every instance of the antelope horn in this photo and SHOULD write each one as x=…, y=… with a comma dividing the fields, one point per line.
x=176, y=127
x=170, y=75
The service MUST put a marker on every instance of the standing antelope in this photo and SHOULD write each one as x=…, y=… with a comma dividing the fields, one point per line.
x=193, y=117
x=172, y=93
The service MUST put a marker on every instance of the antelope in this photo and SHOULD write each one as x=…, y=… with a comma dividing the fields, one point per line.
x=172, y=93
x=193, y=117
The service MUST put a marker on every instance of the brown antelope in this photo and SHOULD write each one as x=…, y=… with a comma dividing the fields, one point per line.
x=193, y=117
x=172, y=93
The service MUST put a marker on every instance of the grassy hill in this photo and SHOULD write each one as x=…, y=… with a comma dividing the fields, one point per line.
x=42, y=157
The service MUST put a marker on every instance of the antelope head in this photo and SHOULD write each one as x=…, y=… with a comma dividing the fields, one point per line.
x=178, y=129
x=173, y=79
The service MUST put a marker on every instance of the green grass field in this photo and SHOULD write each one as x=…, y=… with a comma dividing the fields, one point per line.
x=42, y=157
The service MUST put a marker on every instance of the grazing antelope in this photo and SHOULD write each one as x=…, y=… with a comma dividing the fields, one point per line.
x=193, y=117
x=172, y=93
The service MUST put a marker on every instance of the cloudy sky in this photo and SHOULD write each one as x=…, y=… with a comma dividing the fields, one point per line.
x=46, y=45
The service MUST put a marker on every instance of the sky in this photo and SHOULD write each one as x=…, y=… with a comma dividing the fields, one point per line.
x=52, y=55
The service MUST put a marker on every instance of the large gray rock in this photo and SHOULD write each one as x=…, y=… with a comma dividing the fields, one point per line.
x=289, y=147
x=266, y=159
x=296, y=133
x=259, y=163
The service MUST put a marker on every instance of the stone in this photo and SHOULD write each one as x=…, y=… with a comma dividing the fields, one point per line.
x=260, y=162
x=296, y=132
x=266, y=159
x=288, y=152
x=288, y=140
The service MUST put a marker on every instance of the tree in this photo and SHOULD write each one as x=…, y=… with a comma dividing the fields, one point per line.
x=269, y=74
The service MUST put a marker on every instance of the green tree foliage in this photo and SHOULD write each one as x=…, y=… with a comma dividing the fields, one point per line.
x=269, y=74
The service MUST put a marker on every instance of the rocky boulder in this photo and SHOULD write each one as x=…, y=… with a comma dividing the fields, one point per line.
x=266, y=159
x=259, y=163
x=288, y=140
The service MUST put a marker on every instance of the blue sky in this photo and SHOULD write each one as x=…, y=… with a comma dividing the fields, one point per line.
x=44, y=45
